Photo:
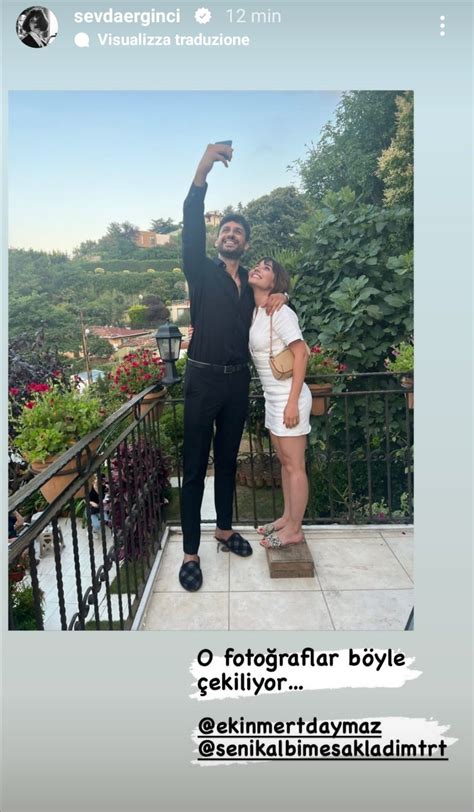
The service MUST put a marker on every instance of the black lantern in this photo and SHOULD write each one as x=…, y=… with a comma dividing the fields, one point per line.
x=168, y=338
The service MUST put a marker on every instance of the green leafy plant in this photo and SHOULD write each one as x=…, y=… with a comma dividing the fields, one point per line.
x=106, y=391
x=403, y=358
x=137, y=371
x=353, y=290
x=54, y=420
x=23, y=607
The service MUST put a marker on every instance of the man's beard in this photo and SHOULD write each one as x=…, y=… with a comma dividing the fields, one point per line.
x=232, y=253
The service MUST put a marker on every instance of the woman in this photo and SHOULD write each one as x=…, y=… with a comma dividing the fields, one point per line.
x=36, y=28
x=287, y=402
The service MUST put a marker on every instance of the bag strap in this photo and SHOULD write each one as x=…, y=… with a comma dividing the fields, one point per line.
x=271, y=334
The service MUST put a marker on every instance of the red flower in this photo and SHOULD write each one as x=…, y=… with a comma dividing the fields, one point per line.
x=13, y=391
x=30, y=404
x=38, y=387
x=342, y=367
x=147, y=376
x=123, y=388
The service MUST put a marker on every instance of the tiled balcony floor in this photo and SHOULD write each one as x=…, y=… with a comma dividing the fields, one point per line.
x=364, y=581
x=48, y=581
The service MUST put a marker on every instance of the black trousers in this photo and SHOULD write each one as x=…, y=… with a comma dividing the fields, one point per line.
x=220, y=400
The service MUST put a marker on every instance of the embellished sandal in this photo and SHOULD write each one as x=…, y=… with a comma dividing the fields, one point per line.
x=273, y=541
x=190, y=576
x=234, y=544
x=266, y=529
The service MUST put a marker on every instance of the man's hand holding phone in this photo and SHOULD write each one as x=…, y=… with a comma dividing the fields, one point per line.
x=219, y=152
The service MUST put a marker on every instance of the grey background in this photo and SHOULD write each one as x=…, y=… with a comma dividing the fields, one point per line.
x=103, y=722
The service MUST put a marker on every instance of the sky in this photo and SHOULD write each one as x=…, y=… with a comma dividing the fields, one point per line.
x=80, y=160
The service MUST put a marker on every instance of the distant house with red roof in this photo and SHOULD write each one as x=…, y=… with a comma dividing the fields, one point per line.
x=123, y=339
x=118, y=336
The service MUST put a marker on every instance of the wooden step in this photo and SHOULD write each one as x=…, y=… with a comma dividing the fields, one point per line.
x=293, y=561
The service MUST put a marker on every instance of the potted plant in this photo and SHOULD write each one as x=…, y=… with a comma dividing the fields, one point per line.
x=49, y=423
x=136, y=372
x=403, y=362
x=321, y=369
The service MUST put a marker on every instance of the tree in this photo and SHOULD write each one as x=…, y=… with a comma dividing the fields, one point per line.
x=86, y=249
x=164, y=226
x=149, y=314
x=138, y=316
x=28, y=314
x=179, y=290
x=395, y=164
x=274, y=220
x=119, y=242
x=349, y=148
x=99, y=346
x=157, y=310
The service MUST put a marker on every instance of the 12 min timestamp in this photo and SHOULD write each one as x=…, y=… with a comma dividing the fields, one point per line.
x=265, y=16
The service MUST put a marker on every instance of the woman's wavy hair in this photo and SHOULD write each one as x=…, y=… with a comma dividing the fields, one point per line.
x=282, y=278
x=40, y=19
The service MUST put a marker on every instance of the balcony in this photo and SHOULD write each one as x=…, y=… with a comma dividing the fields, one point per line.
x=124, y=576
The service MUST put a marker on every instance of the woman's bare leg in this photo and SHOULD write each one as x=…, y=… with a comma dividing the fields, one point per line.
x=292, y=456
x=283, y=519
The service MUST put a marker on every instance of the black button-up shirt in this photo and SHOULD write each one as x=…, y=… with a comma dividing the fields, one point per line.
x=220, y=316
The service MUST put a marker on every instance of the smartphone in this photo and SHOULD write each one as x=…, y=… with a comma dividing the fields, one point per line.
x=227, y=143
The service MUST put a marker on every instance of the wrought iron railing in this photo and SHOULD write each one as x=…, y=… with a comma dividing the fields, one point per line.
x=360, y=471
x=99, y=582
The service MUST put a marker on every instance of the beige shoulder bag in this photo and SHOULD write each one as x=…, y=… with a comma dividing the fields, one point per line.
x=281, y=364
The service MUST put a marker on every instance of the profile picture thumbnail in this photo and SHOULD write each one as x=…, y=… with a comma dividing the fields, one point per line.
x=36, y=27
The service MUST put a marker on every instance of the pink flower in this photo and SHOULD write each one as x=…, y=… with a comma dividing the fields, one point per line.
x=13, y=391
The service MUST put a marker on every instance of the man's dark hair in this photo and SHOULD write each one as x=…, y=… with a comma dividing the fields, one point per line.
x=236, y=218
x=37, y=15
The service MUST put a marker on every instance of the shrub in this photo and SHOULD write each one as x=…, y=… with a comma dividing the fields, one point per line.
x=23, y=607
x=354, y=288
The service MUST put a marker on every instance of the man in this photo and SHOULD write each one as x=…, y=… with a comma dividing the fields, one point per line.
x=216, y=385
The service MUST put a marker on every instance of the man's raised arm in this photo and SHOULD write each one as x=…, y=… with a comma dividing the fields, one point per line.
x=194, y=229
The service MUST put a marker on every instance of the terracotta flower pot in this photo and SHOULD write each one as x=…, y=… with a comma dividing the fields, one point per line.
x=58, y=483
x=150, y=401
x=320, y=403
x=407, y=382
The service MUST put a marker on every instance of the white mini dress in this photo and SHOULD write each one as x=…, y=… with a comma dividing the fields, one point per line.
x=285, y=330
